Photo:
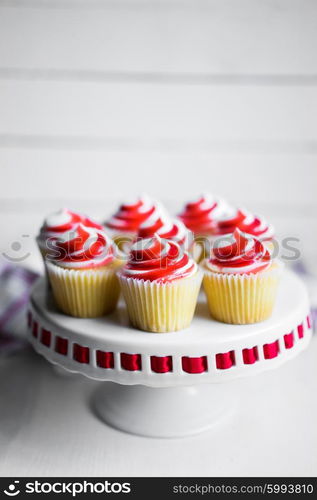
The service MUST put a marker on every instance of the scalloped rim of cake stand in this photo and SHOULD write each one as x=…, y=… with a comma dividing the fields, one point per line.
x=205, y=338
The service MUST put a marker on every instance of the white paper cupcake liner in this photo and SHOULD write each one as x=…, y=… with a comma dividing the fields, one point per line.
x=161, y=307
x=242, y=298
x=84, y=293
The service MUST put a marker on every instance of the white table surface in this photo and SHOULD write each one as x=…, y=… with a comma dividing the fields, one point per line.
x=48, y=428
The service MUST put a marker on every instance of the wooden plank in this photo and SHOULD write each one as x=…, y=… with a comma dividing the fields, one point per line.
x=140, y=116
x=215, y=37
x=42, y=180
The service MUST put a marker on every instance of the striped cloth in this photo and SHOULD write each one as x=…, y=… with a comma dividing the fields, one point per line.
x=15, y=286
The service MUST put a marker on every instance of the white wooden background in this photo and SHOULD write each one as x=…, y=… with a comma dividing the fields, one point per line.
x=104, y=99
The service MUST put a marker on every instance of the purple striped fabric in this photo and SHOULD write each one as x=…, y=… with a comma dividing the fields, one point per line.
x=15, y=285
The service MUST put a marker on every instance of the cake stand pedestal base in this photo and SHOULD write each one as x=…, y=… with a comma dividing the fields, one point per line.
x=174, y=384
x=163, y=412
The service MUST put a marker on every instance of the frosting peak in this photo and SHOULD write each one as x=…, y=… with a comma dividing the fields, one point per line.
x=200, y=215
x=165, y=227
x=257, y=226
x=130, y=216
x=239, y=253
x=58, y=224
x=229, y=220
x=158, y=259
x=84, y=248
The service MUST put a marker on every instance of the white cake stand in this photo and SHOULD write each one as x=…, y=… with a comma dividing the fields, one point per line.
x=166, y=385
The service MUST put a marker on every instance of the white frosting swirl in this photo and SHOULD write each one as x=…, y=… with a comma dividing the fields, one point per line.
x=158, y=259
x=165, y=227
x=83, y=248
x=132, y=214
x=59, y=226
x=239, y=253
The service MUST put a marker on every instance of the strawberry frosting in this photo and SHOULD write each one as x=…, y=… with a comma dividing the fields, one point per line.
x=59, y=225
x=200, y=215
x=165, y=227
x=239, y=253
x=84, y=248
x=130, y=216
x=214, y=217
x=158, y=259
x=246, y=222
x=228, y=221
x=257, y=226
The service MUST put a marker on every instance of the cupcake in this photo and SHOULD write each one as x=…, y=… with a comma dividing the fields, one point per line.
x=125, y=223
x=82, y=272
x=58, y=226
x=200, y=217
x=241, y=279
x=166, y=227
x=160, y=285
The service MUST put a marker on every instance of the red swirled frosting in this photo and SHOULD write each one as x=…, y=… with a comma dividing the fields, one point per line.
x=200, y=215
x=84, y=248
x=165, y=227
x=59, y=224
x=157, y=259
x=257, y=226
x=130, y=216
x=246, y=222
x=239, y=253
x=228, y=221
